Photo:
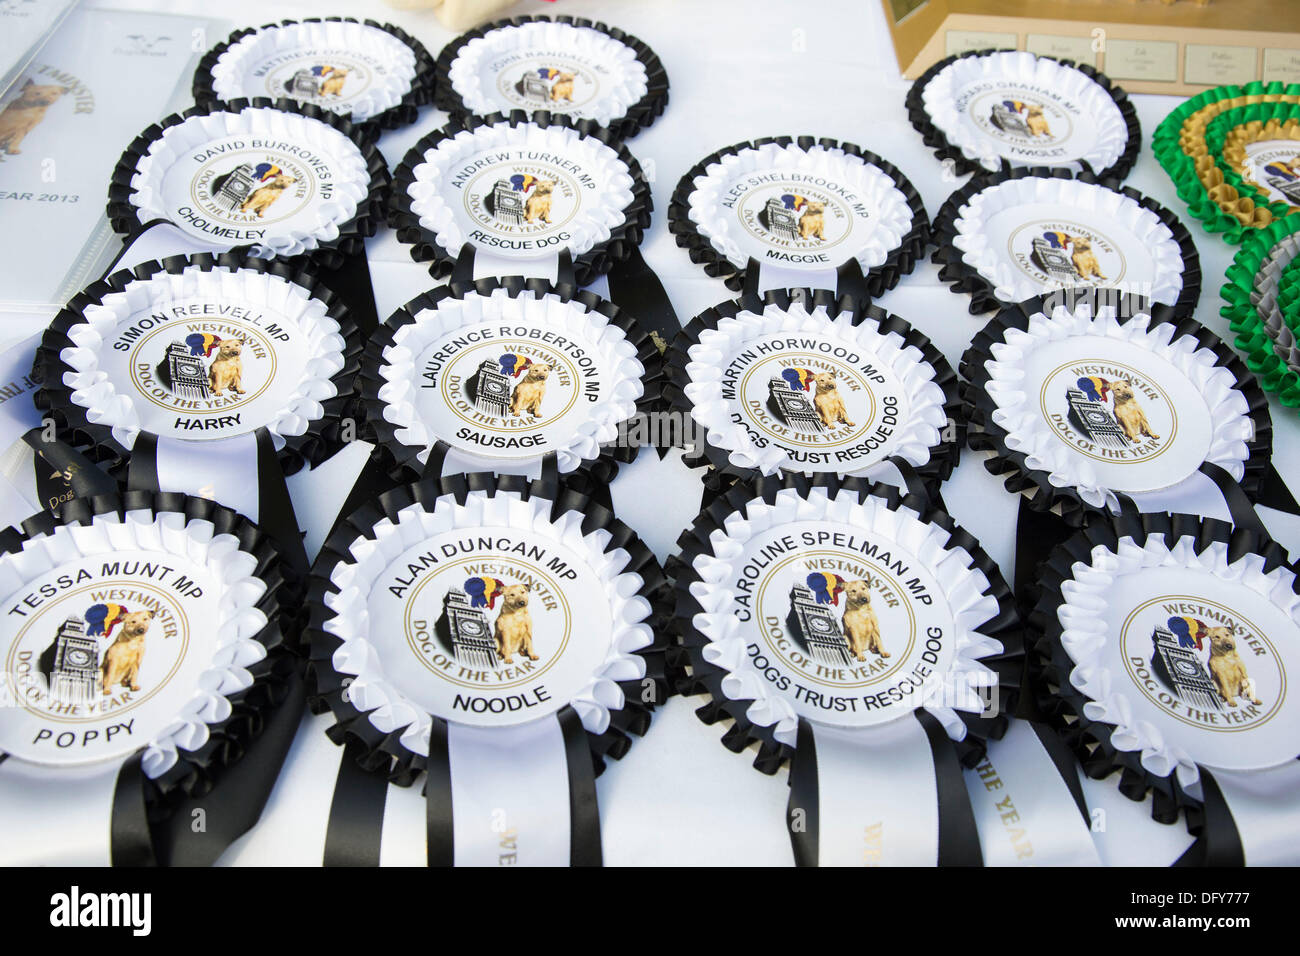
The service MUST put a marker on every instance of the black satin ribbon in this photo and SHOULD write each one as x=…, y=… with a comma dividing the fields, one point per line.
x=352, y=283
x=440, y=834
x=959, y=837
x=130, y=839
x=275, y=515
x=1037, y=533
x=801, y=811
x=61, y=471
x=1219, y=843
x=372, y=481
x=914, y=483
x=1239, y=507
x=1275, y=494
x=200, y=829
x=635, y=288
x=354, y=833
x=1066, y=766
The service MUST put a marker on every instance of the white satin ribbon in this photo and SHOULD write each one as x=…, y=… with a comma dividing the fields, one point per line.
x=877, y=800
x=489, y=265
x=1195, y=495
x=1265, y=806
x=56, y=818
x=157, y=241
x=1025, y=813
x=223, y=470
x=779, y=277
x=509, y=794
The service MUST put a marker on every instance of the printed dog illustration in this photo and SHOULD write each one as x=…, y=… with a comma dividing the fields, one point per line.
x=25, y=113
x=860, y=624
x=562, y=89
x=332, y=85
x=514, y=626
x=1227, y=670
x=1037, y=122
x=227, y=369
x=828, y=402
x=1128, y=412
x=123, y=657
x=812, y=222
x=1085, y=262
x=538, y=206
x=528, y=394
x=261, y=199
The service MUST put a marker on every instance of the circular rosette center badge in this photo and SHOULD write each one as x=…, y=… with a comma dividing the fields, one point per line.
x=198, y=367
x=825, y=405
x=849, y=628
x=240, y=189
x=101, y=655
x=521, y=204
x=1029, y=123
x=508, y=390
x=1067, y=253
x=331, y=78
x=1274, y=166
x=490, y=627
x=1137, y=420
x=795, y=218
x=556, y=82
x=1208, y=662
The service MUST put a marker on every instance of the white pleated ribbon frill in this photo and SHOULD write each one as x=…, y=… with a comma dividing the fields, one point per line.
x=963, y=587
x=388, y=708
x=914, y=437
x=238, y=621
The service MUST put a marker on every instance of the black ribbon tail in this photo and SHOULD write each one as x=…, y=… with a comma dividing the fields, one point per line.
x=275, y=514
x=1066, y=766
x=142, y=468
x=565, y=274
x=351, y=282
x=439, y=830
x=750, y=295
x=633, y=286
x=914, y=483
x=1220, y=840
x=584, y=813
x=131, y=840
x=1239, y=507
x=356, y=822
x=850, y=281
x=371, y=482
x=801, y=814
x=959, y=838
x=1037, y=533
x=202, y=828
x=62, y=470
x=1276, y=495
x=463, y=270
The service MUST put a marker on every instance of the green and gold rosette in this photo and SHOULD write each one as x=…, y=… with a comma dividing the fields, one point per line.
x=1261, y=299
x=1230, y=152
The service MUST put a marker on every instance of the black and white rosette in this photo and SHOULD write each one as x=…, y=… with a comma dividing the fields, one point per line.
x=867, y=639
x=498, y=638
x=1167, y=643
x=514, y=195
x=796, y=212
x=275, y=178
x=214, y=376
x=368, y=72
x=1100, y=404
x=564, y=65
x=802, y=383
x=511, y=376
x=1008, y=237
x=995, y=110
x=145, y=682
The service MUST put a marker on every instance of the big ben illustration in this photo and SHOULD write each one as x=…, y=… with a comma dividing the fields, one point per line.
x=492, y=390
x=467, y=627
x=74, y=675
x=816, y=626
x=1181, y=670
